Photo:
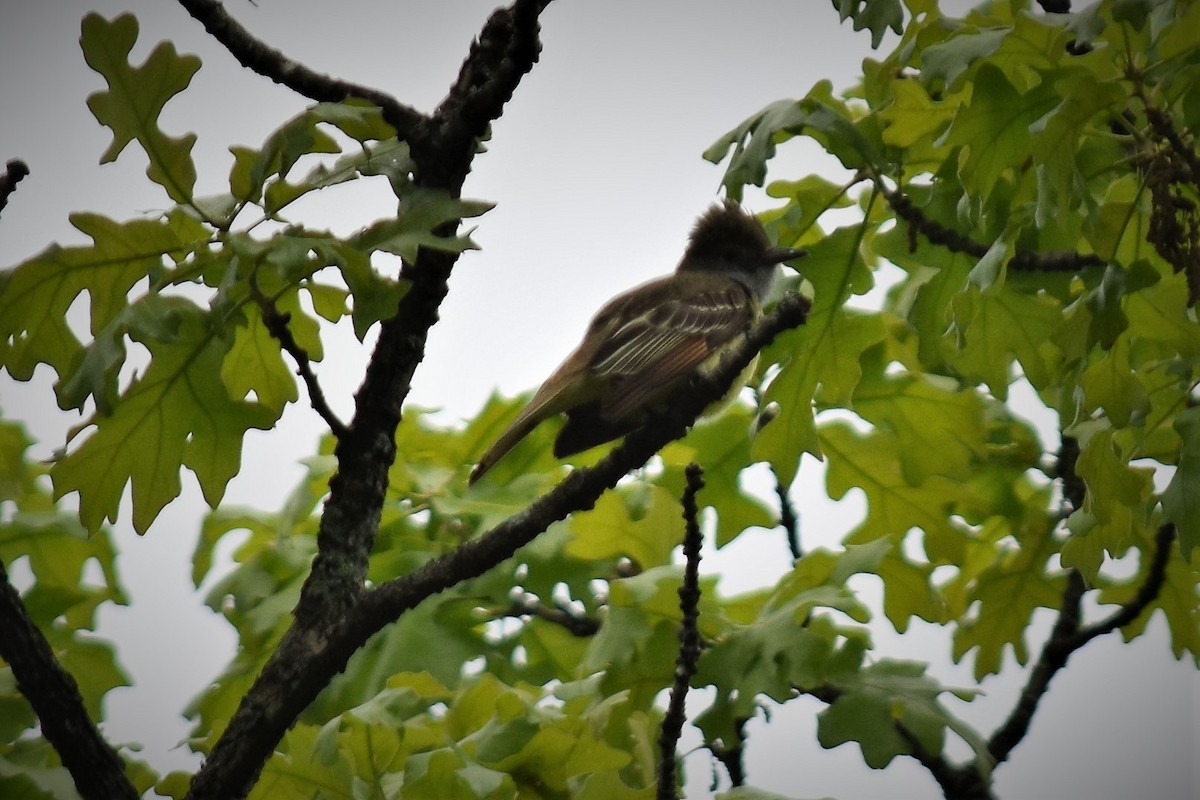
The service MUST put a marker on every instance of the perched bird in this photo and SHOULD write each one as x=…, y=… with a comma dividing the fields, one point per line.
x=644, y=342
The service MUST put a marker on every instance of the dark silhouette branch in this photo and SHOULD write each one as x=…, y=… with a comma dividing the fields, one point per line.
x=730, y=755
x=939, y=234
x=14, y=171
x=956, y=782
x=1146, y=594
x=1068, y=636
x=95, y=767
x=966, y=781
x=789, y=519
x=259, y=57
x=332, y=619
x=689, y=638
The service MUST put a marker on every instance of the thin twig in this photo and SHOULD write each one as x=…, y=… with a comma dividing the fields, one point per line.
x=1147, y=593
x=277, y=325
x=271, y=63
x=789, y=519
x=576, y=624
x=1022, y=260
x=689, y=637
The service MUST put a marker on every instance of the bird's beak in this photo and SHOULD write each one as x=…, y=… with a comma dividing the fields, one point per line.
x=778, y=255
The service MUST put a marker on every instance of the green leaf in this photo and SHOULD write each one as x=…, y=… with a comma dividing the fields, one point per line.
x=871, y=462
x=1111, y=383
x=35, y=296
x=818, y=115
x=297, y=772
x=878, y=16
x=722, y=445
x=255, y=362
x=995, y=325
x=1007, y=592
x=873, y=704
x=136, y=96
x=938, y=426
x=824, y=353
x=1159, y=316
x=944, y=62
x=1056, y=137
x=993, y=128
x=912, y=118
x=614, y=528
x=422, y=211
x=770, y=658
x=178, y=413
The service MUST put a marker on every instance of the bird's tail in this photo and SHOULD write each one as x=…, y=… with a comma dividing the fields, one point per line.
x=527, y=420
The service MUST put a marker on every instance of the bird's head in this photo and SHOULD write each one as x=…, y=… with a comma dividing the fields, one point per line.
x=730, y=240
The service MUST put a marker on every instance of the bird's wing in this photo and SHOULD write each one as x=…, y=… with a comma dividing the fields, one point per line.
x=647, y=348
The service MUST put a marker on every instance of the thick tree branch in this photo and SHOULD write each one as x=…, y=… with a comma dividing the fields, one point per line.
x=14, y=171
x=259, y=57
x=506, y=49
x=689, y=638
x=96, y=768
x=331, y=619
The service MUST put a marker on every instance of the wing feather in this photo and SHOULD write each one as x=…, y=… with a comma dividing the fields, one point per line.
x=647, y=349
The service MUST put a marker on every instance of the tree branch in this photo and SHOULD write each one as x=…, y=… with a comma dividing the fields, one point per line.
x=689, y=638
x=730, y=755
x=576, y=624
x=259, y=57
x=1022, y=260
x=1156, y=576
x=789, y=519
x=957, y=782
x=966, y=781
x=277, y=326
x=14, y=171
x=95, y=767
x=330, y=615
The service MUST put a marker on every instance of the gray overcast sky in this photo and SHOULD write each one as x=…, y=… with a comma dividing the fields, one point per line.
x=597, y=173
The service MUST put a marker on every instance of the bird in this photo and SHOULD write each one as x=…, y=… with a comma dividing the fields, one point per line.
x=645, y=342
